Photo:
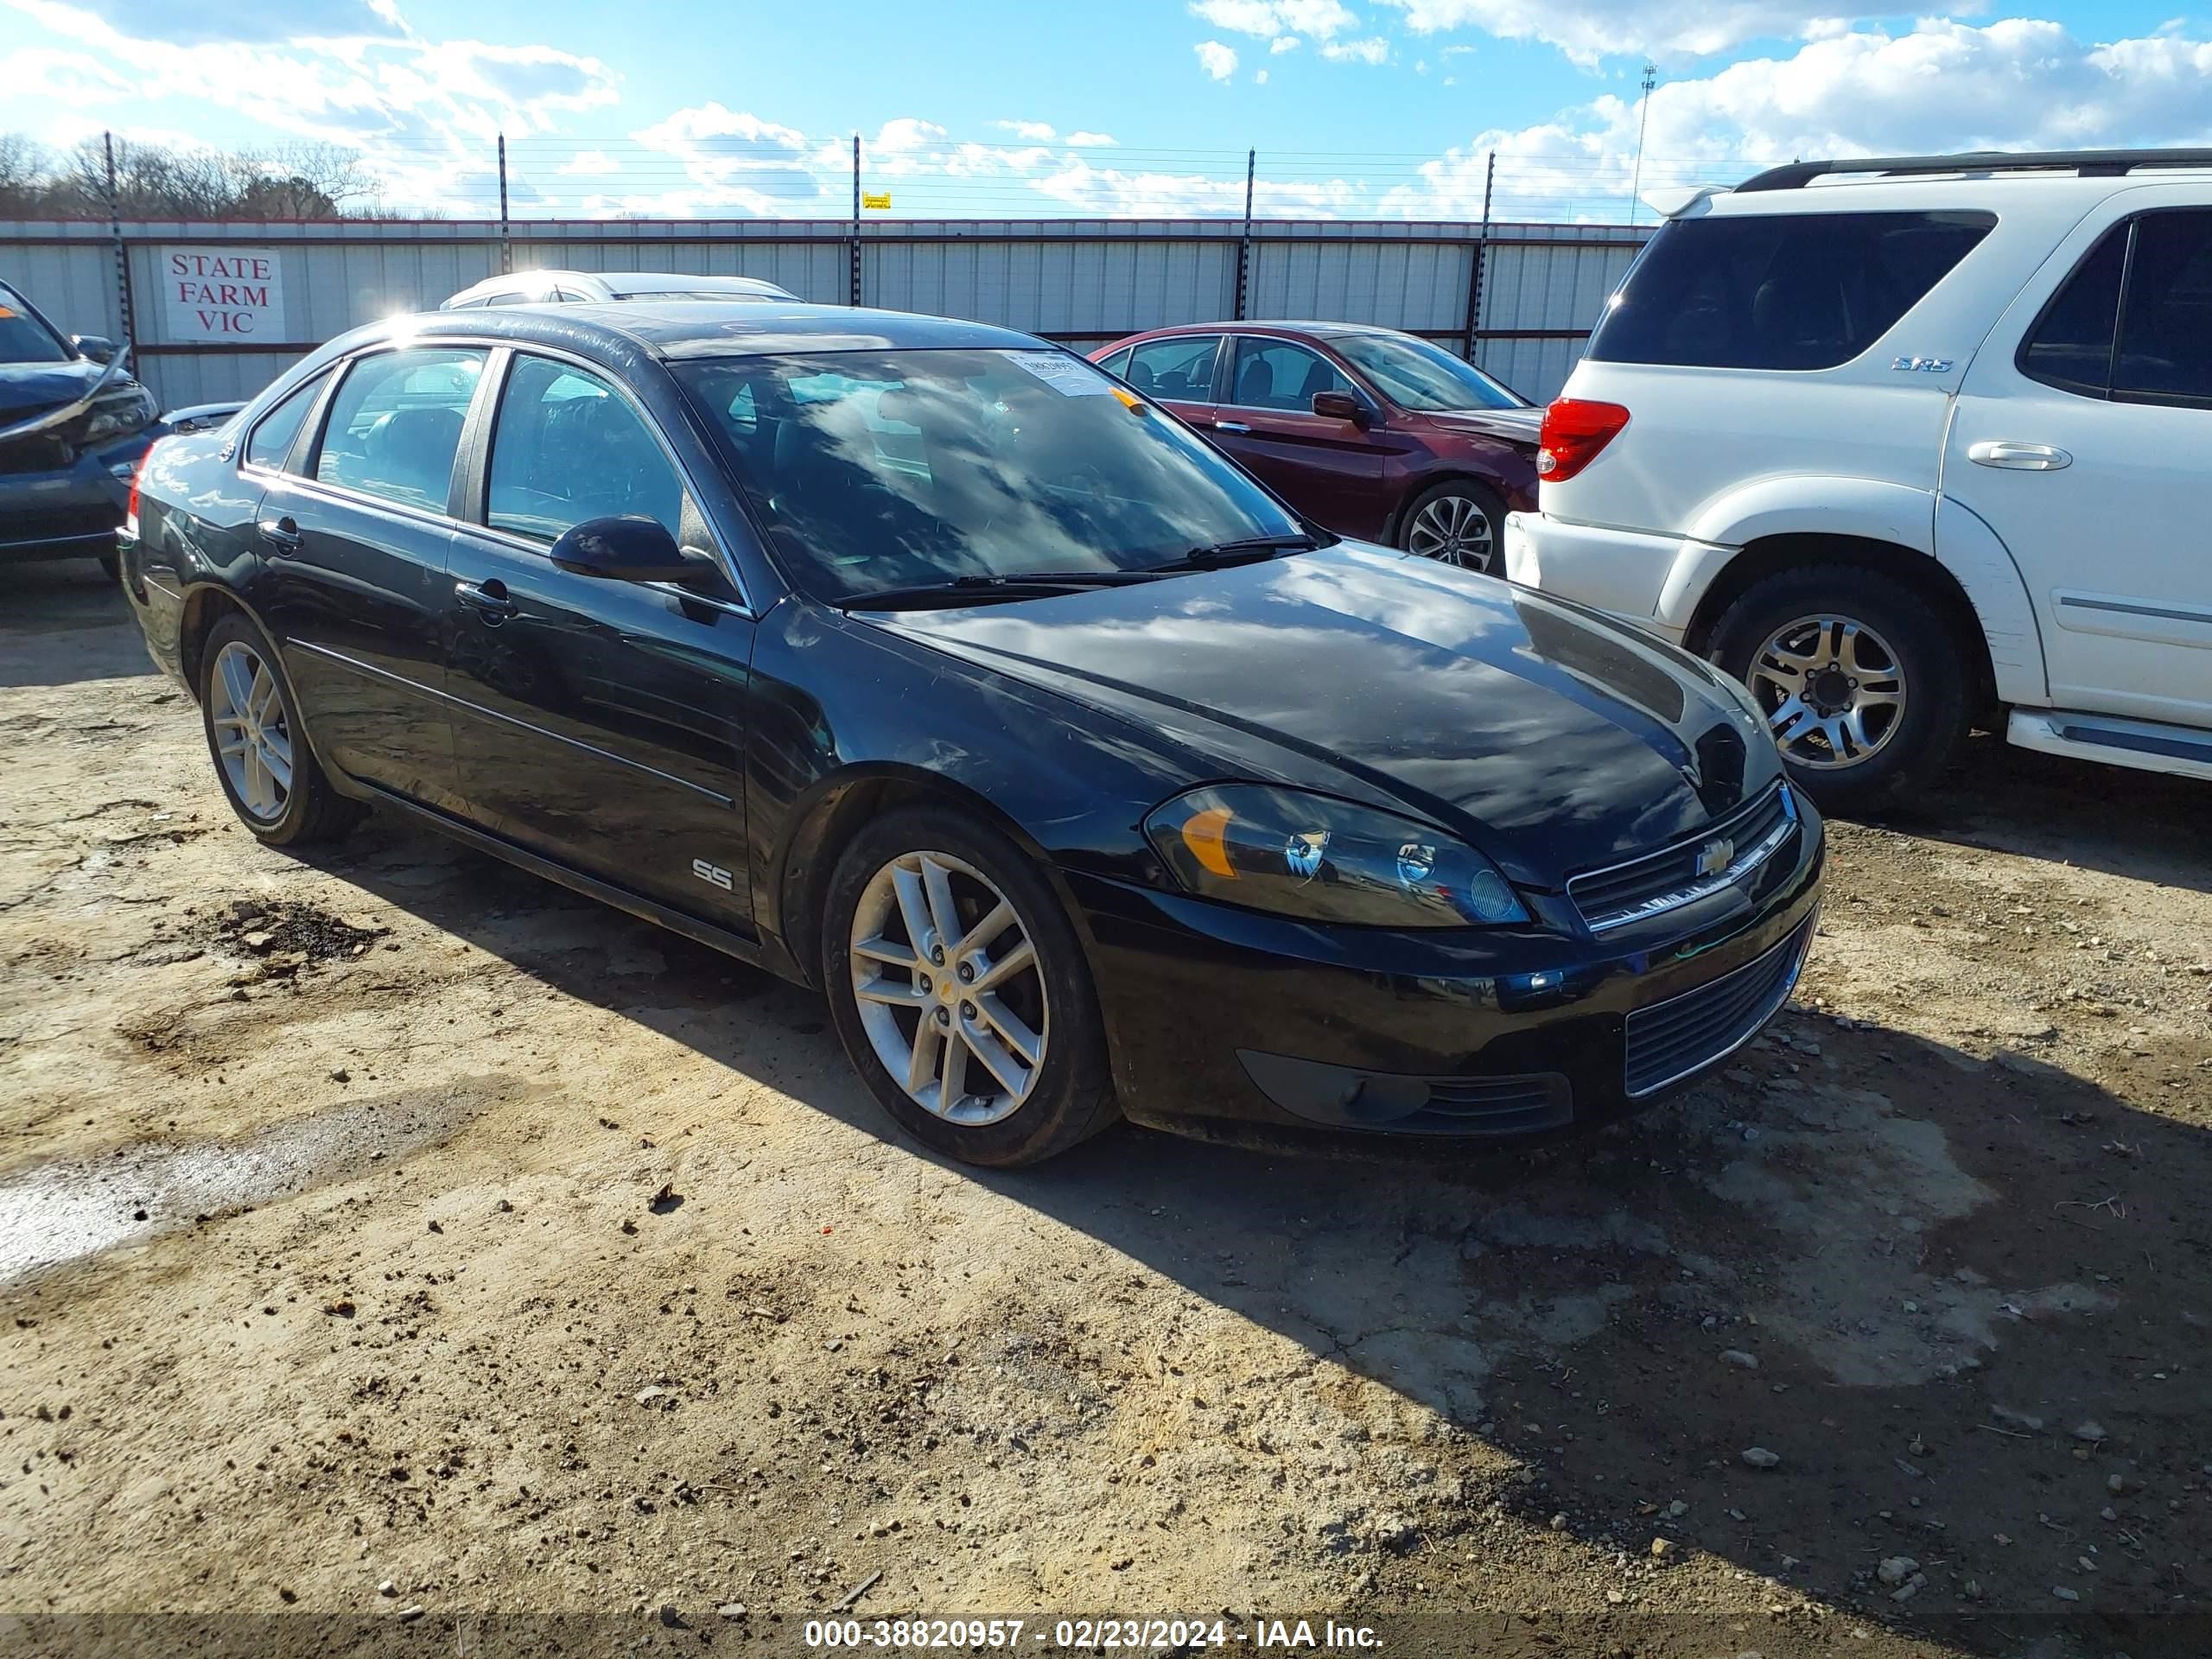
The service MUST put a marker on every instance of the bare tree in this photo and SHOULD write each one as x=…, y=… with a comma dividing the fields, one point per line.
x=303, y=181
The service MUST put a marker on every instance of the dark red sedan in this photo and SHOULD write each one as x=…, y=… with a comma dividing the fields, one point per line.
x=1375, y=434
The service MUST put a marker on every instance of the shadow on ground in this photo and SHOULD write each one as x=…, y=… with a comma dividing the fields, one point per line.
x=1961, y=1302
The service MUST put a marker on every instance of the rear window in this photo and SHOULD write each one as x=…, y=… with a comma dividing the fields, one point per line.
x=1779, y=291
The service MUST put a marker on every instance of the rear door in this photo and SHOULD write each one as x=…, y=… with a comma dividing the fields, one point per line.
x=1177, y=371
x=1325, y=467
x=2082, y=438
x=600, y=723
x=357, y=534
x=1754, y=345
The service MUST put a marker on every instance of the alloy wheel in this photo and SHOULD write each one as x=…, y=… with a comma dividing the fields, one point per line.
x=947, y=981
x=1454, y=530
x=1833, y=688
x=253, y=731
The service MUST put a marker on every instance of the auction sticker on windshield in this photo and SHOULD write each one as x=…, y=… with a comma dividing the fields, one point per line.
x=1069, y=377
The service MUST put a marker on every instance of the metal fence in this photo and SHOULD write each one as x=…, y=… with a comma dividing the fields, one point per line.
x=217, y=310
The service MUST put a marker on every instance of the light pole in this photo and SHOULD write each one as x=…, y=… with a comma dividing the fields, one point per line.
x=1643, y=126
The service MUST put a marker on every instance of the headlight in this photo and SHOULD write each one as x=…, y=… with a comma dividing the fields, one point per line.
x=118, y=413
x=1325, y=861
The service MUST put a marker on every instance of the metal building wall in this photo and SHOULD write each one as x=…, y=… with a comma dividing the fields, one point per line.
x=1084, y=282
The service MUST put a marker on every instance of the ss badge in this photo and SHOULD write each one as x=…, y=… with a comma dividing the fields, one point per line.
x=713, y=874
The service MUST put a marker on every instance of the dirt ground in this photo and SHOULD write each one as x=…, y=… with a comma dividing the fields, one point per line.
x=395, y=1250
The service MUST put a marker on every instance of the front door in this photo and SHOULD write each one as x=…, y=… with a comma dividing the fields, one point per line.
x=356, y=540
x=600, y=723
x=2081, y=438
x=1326, y=467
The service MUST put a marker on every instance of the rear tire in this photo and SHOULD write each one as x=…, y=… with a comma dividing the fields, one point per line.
x=1864, y=687
x=1459, y=523
x=957, y=1027
x=262, y=755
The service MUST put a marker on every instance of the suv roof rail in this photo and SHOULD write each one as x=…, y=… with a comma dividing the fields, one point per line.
x=2089, y=163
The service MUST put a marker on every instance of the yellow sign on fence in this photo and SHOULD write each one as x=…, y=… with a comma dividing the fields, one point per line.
x=879, y=202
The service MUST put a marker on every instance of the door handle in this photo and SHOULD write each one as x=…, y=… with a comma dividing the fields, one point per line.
x=1230, y=426
x=489, y=599
x=2018, y=457
x=282, y=535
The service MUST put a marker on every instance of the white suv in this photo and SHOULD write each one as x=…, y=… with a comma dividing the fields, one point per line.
x=1899, y=441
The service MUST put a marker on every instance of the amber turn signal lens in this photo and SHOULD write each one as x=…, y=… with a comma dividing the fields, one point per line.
x=1202, y=833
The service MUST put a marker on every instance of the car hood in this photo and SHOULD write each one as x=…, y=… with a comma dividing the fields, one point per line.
x=1554, y=739
x=27, y=389
x=1519, y=426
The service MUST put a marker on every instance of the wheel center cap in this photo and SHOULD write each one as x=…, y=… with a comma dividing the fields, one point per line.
x=1831, y=688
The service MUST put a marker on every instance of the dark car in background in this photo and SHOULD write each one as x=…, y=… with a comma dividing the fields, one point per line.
x=73, y=426
x=1377, y=434
x=922, y=662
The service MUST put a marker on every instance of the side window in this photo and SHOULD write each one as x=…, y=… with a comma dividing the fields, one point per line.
x=1778, y=291
x=1118, y=364
x=2070, y=346
x=395, y=425
x=1179, y=370
x=567, y=447
x=2165, y=319
x=272, y=439
x=507, y=296
x=1273, y=374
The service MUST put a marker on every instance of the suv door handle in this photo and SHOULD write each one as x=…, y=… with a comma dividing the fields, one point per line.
x=489, y=599
x=282, y=535
x=1230, y=426
x=2018, y=457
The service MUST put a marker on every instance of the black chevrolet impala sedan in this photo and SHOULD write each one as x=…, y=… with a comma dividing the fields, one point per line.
x=922, y=663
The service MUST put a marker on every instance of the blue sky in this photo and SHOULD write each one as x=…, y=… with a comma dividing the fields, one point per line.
x=990, y=108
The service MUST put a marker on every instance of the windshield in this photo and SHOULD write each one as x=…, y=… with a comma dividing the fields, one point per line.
x=24, y=338
x=1414, y=374
x=881, y=470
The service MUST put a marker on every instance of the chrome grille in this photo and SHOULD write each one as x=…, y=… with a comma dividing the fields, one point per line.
x=1669, y=1040
x=1683, y=874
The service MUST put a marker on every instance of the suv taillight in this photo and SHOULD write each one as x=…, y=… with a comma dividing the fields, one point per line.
x=1575, y=430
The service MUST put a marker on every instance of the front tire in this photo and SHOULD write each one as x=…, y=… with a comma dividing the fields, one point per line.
x=1459, y=523
x=263, y=759
x=1864, y=690
x=960, y=992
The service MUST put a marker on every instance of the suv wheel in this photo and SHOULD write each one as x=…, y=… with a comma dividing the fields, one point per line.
x=961, y=991
x=261, y=752
x=1458, y=522
x=1863, y=687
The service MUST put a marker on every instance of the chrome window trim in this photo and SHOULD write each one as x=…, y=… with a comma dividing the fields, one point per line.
x=1744, y=863
x=374, y=672
x=507, y=540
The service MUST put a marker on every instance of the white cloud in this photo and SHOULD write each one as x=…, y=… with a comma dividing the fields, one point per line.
x=1216, y=59
x=1283, y=43
x=590, y=162
x=1259, y=77
x=1090, y=140
x=1373, y=50
x=1589, y=29
x=2014, y=85
x=1322, y=19
x=1036, y=132
x=68, y=76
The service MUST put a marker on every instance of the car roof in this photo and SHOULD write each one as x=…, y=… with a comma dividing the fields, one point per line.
x=706, y=329
x=1965, y=190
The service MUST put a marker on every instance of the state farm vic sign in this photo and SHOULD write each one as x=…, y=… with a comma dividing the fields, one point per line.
x=231, y=295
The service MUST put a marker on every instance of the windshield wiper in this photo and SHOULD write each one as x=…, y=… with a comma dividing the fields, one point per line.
x=1250, y=550
x=971, y=590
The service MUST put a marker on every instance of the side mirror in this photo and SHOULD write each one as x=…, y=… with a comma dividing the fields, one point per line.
x=99, y=347
x=629, y=548
x=1342, y=406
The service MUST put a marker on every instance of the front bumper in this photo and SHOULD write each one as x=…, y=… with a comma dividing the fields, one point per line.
x=70, y=508
x=1235, y=1026
x=1652, y=580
